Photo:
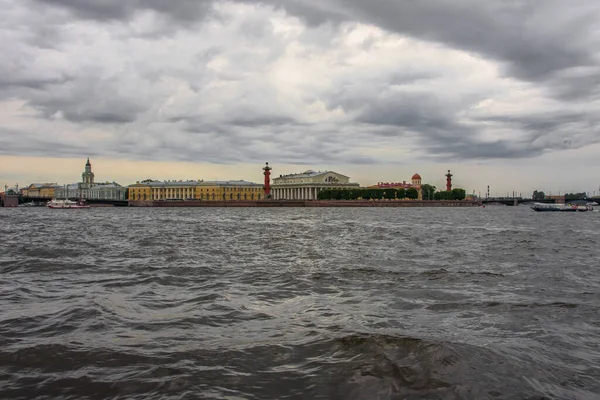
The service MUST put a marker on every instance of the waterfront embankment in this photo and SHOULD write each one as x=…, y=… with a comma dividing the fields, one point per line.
x=306, y=203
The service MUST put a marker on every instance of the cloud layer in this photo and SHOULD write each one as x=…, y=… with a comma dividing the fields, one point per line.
x=297, y=81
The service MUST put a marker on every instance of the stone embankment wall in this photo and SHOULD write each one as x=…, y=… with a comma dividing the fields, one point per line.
x=305, y=203
x=9, y=200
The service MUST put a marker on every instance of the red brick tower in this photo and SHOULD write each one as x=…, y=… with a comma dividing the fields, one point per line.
x=448, y=181
x=267, y=185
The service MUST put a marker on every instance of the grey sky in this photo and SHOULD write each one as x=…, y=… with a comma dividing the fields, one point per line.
x=300, y=81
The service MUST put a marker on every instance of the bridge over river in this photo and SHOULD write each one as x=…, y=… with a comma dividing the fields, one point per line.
x=514, y=201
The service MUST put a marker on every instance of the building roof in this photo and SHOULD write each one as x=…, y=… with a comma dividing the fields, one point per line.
x=416, y=176
x=230, y=183
x=199, y=183
x=40, y=185
x=309, y=174
x=391, y=185
x=106, y=185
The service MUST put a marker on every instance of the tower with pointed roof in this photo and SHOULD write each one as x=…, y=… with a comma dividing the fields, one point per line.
x=87, y=178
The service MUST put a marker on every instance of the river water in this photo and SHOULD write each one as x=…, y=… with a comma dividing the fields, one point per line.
x=299, y=303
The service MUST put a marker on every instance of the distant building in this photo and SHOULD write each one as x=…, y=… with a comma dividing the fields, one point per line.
x=89, y=189
x=415, y=182
x=107, y=191
x=557, y=199
x=307, y=185
x=45, y=190
x=196, y=190
x=9, y=199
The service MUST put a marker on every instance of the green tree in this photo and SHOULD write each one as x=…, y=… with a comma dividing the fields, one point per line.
x=428, y=191
x=355, y=193
x=458, y=194
x=324, y=194
x=443, y=195
x=575, y=196
x=401, y=193
x=538, y=195
x=389, y=194
x=412, y=193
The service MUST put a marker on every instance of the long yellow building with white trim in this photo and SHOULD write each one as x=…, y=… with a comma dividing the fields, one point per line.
x=196, y=190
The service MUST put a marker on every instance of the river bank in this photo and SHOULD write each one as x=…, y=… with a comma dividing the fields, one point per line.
x=307, y=203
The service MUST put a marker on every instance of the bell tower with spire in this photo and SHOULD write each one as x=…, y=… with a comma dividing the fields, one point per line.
x=88, y=176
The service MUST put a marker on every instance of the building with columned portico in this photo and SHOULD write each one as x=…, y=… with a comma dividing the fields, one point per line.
x=307, y=185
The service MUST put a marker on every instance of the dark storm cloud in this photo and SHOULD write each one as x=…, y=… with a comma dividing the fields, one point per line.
x=10, y=81
x=554, y=130
x=88, y=100
x=535, y=39
x=124, y=9
x=24, y=143
x=435, y=126
x=549, y=44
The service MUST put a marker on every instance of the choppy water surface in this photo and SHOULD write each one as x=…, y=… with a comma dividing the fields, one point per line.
x=122, y=303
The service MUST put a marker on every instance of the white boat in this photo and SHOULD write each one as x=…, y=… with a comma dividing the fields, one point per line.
x=66, y=204
x=563, y=207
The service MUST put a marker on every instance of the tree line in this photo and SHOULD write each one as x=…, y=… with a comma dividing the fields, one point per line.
x=539, y=195
x=428, y=192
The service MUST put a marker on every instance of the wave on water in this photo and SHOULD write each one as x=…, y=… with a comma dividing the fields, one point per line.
x=291, y=303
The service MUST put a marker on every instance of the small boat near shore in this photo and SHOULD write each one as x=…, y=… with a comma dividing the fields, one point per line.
x=563, y=207
x=67, y=204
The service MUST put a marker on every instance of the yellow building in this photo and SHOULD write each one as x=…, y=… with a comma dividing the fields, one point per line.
x=196, y=190
x=45, y=190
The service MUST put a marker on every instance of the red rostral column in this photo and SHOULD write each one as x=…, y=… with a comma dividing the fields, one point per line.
x=267, y=185
x=448, y=181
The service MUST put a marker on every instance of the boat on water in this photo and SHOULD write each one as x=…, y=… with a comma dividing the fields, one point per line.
x=563, y=207
x=67, y=204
